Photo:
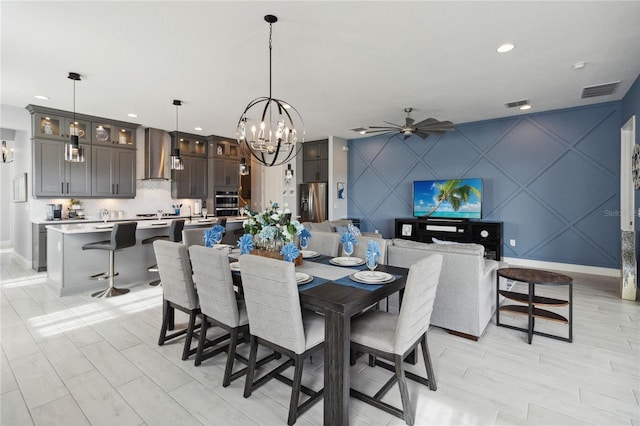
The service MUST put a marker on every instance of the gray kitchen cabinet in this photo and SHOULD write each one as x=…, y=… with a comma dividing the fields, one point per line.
x=191, y=182
x=58, y=127
x=39, y=247
x=114, y=172
x=226, y=173
x=107, y=133
x=315, y=161
x=55, y=177
x=221, y=147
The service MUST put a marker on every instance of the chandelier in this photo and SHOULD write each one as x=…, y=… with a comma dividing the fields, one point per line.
x=73, y=152
x=266, y=128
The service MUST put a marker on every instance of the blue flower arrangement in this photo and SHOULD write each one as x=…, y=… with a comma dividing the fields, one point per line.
x=213, y=236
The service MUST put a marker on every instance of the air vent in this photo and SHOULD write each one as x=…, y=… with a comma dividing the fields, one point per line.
x=515, y=104
x=600, y=90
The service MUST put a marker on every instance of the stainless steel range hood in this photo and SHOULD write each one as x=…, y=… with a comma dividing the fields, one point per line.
x=154, y=153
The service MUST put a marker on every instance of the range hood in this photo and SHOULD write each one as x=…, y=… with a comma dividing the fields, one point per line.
x=154, y=153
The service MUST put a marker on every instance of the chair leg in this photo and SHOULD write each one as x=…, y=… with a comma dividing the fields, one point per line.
x=295, y=391
x=187, y=343
x=253, y=353
x=231, y=354
x=202, y=341
x=166, y=313
x=404, y=392
x=427, y=363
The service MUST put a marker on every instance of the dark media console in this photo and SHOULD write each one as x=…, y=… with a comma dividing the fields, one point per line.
x=489, y=234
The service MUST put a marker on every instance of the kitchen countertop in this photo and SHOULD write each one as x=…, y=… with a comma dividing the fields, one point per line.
x=85, y=228
x=137, y=219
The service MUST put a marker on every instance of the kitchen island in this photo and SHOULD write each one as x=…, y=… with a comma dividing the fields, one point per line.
x=69, y=267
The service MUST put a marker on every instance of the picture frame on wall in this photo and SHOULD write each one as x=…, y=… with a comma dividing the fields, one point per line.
x=342, y=189
x=19, y=193
x=635, y=166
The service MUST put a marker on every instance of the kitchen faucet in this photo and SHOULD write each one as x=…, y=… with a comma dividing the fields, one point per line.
x=189, y=212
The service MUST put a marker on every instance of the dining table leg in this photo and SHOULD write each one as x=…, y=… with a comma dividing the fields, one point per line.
x=336, y=368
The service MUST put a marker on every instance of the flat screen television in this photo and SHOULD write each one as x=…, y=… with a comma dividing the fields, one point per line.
x=451, y=198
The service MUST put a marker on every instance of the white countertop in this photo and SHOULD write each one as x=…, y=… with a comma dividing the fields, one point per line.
x=84, y=227
x=127, y=219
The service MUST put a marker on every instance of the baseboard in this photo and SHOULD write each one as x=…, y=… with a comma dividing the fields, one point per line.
x=6, y=244
x=568, y=267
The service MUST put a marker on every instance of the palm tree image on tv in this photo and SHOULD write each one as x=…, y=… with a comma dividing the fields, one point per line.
x=454, y=197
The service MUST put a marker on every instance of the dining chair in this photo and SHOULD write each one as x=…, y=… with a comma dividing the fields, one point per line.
x=194, y=236
x=325, y=243
x=178, y=292
x=276, y=320
x=220, y=306
x=394, y=336
x=360, y=249
x=175, y=234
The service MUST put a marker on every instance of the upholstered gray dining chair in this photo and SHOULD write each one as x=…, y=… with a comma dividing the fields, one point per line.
x=393, y=336
x=175, y=234
x=325, y=243
x=276, y=320
x=360, y=249
x=220, y=306
x=193, y=236
x=178, y=291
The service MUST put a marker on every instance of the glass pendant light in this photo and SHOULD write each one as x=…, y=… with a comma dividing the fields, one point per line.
x=73, y=152
x=243, y=168
x=176, y=161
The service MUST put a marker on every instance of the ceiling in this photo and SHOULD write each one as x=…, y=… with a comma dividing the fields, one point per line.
x=342, y=64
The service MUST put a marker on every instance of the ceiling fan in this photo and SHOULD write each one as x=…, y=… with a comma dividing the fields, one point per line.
x=423, y=129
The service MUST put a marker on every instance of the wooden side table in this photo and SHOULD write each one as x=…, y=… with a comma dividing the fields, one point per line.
x=531, y=302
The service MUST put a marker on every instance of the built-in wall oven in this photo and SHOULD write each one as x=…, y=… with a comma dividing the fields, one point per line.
x=226, y=203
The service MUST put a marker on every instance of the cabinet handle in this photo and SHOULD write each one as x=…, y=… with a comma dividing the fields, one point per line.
x=117, y=188
x=62, y=187
x=67, y=187
x=113, y=188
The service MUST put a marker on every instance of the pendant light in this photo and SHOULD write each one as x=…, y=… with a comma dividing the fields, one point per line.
x=266, y=128
x=176, y=161
x=288, y=173
x=243, y=168
x=73, y=152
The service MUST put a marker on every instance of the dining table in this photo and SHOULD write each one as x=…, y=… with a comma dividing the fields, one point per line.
x=338, y=297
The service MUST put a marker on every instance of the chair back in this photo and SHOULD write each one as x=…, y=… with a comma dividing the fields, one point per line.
x=360, y=250
x=194, y=236
x=212, y=276
x=325, y=243
x=272, y=300
x=175, y=273
x=417, y=302
x=123, y=235
x=175, y=230
x=222, y=221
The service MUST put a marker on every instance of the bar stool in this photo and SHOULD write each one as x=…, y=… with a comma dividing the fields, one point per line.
x=123, y=235
x=175, y=235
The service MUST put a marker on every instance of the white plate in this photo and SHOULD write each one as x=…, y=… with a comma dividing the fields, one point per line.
x=372, y=276
x=347, y=261
x=355, y=277
x=109, y=225
x=308, y=254
x=235, y=266
x=158, y=223
x=302, y=278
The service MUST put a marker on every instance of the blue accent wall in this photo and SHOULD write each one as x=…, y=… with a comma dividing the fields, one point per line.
x=552, y=178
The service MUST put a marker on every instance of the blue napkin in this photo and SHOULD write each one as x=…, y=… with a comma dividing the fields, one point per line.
x=290, y=252
x=373, y=251
x=348, y=237
x=304, y=236
x=245, y=243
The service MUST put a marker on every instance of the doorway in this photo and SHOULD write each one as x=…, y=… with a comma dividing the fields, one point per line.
x=629, y=175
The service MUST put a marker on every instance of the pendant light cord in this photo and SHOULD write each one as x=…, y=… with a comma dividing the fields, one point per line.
x=270, y=48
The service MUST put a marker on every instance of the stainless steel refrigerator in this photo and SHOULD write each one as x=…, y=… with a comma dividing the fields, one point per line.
x=312, y=202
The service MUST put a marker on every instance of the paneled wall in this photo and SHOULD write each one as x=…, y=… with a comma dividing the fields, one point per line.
x=552, y=178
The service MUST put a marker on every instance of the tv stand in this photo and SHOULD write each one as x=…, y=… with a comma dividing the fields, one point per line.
x=489, y=234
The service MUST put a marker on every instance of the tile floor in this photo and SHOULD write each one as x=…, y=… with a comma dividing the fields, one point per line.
x=77, y=360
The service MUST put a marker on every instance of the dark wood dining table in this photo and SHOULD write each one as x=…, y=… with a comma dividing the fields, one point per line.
x=339, y=303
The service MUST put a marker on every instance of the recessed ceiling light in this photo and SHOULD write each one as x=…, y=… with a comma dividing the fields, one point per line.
x=525, y=107
x=198, y=129
x=287, y=106
x=132, y=115
x=579, y=65
x=507, y=47
x=44, y=98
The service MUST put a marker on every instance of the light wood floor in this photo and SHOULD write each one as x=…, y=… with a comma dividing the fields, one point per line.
x=77, y=360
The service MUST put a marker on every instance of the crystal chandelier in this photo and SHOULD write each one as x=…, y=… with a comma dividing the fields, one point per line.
x=73, y=152
x=266, y=128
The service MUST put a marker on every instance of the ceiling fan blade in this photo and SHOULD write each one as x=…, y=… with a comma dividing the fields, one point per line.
x=380, y=131
x=423, y=135
x=393, y=124
x=408, y=122
x=437, y=126
x=427, y=122
x=384, y=127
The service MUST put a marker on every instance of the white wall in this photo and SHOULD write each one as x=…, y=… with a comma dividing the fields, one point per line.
x=337, y=173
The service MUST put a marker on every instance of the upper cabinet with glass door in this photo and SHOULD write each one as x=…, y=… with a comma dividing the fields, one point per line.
x=105, y=133
x=50, y=126
x=223, y=147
